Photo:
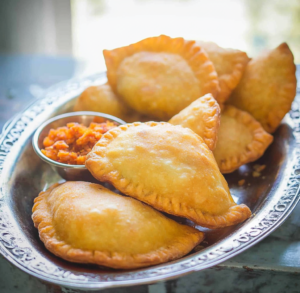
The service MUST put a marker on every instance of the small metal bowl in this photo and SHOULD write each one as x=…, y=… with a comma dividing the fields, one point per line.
x=66, y=171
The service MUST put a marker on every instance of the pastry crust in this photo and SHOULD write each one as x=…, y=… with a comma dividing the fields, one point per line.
x=135, y=116
x=203, y=117
x=102, y=99
x=87, y=223
x=268, y=87
x=160, y=76
x=170, y=168
x=241, y=139
x=229, y=64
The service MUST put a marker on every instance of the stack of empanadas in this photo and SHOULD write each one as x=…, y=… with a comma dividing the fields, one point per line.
x=169, y=167
x=221, y=108
x=163, y=78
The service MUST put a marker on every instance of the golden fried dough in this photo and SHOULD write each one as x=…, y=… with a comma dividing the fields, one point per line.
x=134, y=116
x=87, y=223
x=229, y=64
x=203, y=117
x=267, y=87
x=101, y=99
x=241, y=139
x=160, y=76
x=170, y=168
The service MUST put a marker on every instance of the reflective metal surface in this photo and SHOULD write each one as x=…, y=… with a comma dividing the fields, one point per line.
x=271, y=197
x=68, y=172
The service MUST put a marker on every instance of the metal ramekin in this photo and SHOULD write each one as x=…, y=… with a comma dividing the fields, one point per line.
x=68, y=172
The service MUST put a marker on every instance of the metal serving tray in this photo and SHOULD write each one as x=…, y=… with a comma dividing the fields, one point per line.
x=271, y=197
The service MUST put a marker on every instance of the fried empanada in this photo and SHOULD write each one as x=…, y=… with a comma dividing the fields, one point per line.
x=102, y=99
x=87, y=223
x=229, y=64
x=160, y=76
x=268, y=87
x=203, y=117
x=241, y=139
x=170, y=168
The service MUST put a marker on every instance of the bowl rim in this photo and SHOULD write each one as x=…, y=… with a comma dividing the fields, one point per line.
x=38, y=131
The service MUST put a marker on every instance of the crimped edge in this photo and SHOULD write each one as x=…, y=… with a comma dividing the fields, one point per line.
x=192, y=53
x=255, y=149
x=235, y=214
x=211, y=119
x=228, y=82
x=179, y=247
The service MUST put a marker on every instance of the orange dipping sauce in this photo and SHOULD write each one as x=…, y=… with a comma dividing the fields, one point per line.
x=70, y=144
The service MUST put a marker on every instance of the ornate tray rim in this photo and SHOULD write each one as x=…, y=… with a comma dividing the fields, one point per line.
x=13, y=249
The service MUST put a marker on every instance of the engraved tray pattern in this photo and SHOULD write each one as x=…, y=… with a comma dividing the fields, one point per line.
x=16, y=246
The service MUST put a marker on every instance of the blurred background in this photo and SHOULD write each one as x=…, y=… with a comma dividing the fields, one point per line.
x=47, y=41
x=83, y=28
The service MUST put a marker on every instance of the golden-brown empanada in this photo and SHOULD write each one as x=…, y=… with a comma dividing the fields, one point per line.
x=268, y=87
x=229, y=64
x=203, y=117
x=87, y=223
x=160, y=76
x=241, y=139
x=101, y=99
x=170, y=168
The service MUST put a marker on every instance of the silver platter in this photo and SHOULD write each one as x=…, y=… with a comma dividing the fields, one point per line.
x=271, y=197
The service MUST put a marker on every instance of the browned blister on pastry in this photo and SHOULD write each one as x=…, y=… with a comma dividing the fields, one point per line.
x=229, y=64
x=203, y=117
x=160, y=76
x=241, y=139
x=268, y=87
x=87, y=223
x=170, y=168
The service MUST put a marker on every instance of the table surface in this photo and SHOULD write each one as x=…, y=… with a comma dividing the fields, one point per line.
x=271, y=265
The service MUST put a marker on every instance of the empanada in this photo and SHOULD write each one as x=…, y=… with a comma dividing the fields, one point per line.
x=267, y=87
x=229, y=64
x=241, y=139
x=170, y=168
x=160, y=76
x=87, y=223
x=203, y=117
x=101, y=99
